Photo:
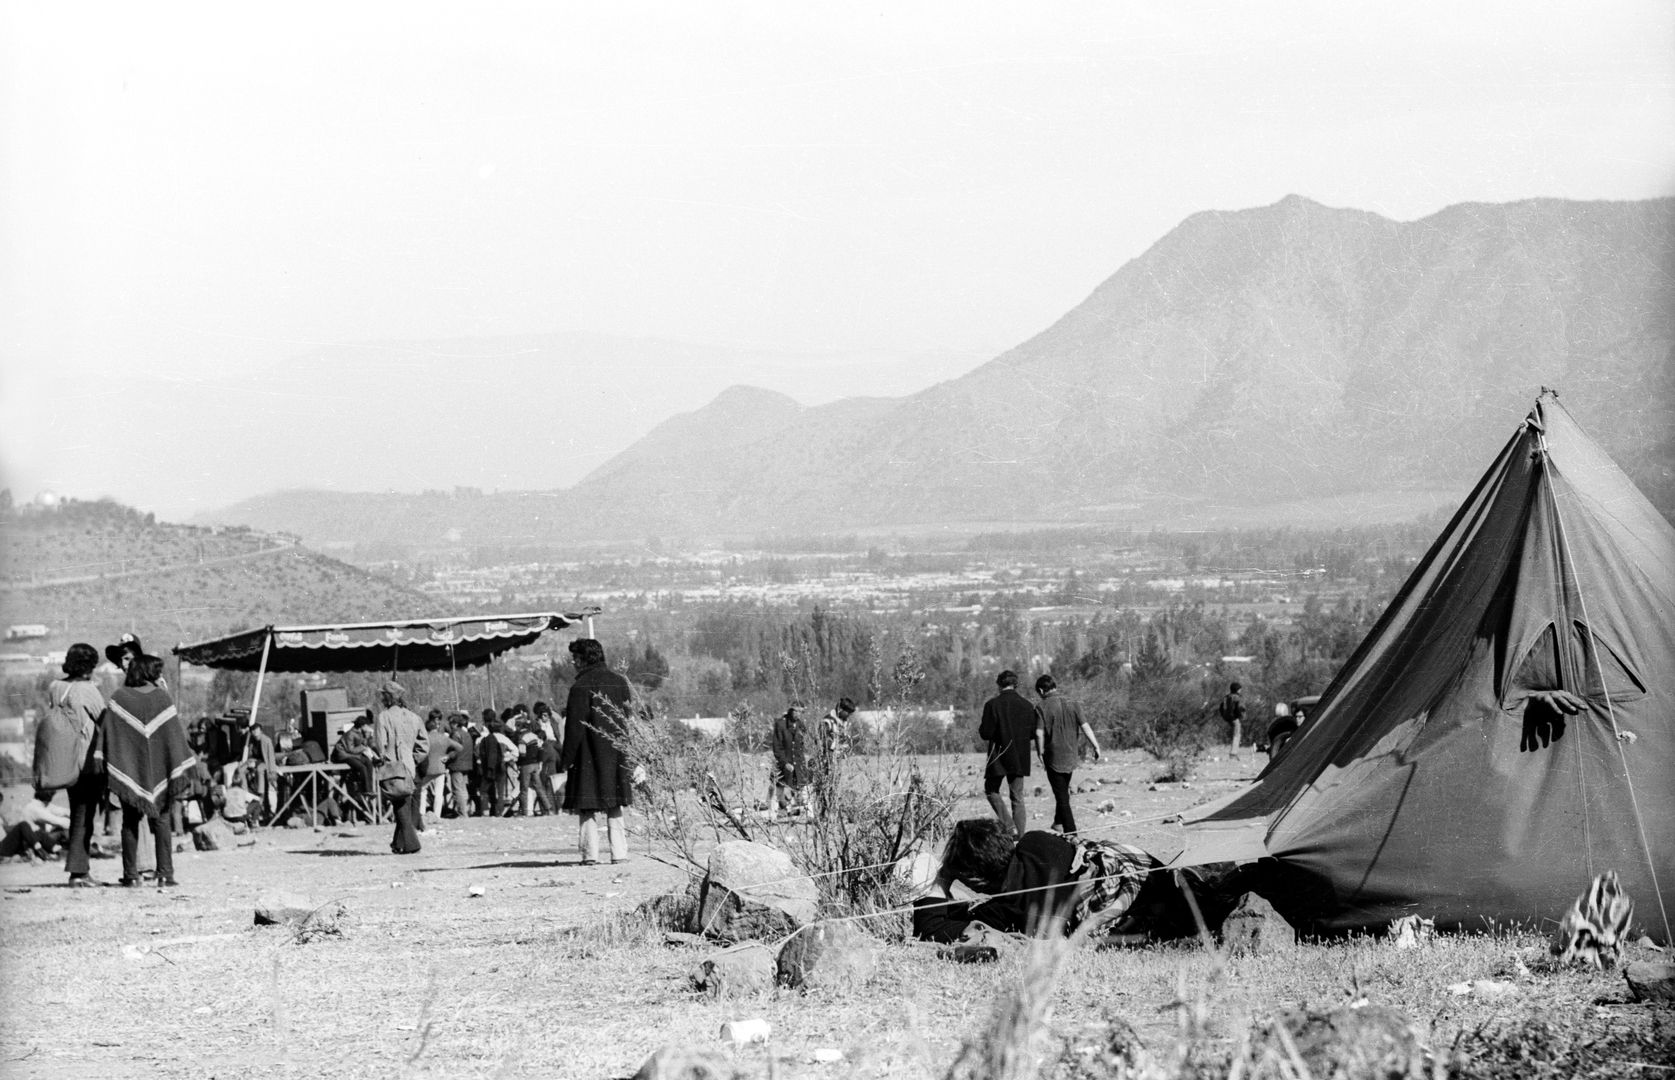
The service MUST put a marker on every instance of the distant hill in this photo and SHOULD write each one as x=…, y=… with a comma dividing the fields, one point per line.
x=90, y=570
x=1293, y=355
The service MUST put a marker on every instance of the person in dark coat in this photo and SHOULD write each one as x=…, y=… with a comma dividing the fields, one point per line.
x=790, y=778
x=147, y=759
x=600, y=777
x=491, y=765
x=1009, y=724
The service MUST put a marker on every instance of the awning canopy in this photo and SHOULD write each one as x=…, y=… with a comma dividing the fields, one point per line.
x=441, y=644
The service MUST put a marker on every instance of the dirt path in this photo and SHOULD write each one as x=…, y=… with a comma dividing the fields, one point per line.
x=428, y=980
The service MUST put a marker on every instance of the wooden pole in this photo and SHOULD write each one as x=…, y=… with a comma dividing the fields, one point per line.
x=255, y=704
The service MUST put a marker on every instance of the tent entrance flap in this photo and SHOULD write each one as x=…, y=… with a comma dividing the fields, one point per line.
x=440, y=644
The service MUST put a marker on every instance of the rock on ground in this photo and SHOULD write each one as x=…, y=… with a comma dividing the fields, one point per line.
x=1372, y=1042
x=1107, y=1049
x=827, y=955
x=741, y=971
x=675, y=1062
x=213, y=835
x=1254, y=928
x=279, y=908
x=753, y=891
x=1651, y=981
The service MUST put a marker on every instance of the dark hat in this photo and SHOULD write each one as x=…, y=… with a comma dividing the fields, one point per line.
x=126, y=645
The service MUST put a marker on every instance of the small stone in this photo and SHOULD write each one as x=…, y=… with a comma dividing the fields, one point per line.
x=476, y=891
x=212, y=835
x=278, y=908
x=826, y=1055
x=827, y=955
x=1254, y=928
x=742, y=970
x=1649, y=980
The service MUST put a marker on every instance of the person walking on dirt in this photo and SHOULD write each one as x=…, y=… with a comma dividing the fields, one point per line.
x=1233, y=713
x=790, y=766
x=600, y=775
x=399, y=737
x=1061, y=728
x=1009, y=726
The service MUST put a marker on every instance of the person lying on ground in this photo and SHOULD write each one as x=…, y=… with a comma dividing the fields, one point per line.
x=1047, y=885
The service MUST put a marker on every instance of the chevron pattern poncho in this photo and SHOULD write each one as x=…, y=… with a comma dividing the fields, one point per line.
x=146, y=753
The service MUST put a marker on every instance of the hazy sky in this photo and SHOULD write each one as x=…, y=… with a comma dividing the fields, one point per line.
x=854, y=201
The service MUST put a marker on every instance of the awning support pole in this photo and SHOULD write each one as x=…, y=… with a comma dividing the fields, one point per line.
x=255, y=704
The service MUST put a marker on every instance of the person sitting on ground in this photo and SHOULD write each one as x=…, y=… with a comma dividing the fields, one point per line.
x=39, y=831
x=238, y=805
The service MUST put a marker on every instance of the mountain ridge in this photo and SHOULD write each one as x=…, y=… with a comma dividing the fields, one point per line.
x=1285, y=353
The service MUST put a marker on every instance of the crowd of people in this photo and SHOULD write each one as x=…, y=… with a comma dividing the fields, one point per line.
x=133, y=755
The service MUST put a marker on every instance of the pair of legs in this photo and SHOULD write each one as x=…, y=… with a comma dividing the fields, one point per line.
x=530, y=790
x=85, y=796
x=615, y=827
x=1013, y=815
x=459, y=791
x=162, y=836
x=1063, y=817
x=405, y=810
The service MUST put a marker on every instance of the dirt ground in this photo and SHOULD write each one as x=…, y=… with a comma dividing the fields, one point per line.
x=529, y=979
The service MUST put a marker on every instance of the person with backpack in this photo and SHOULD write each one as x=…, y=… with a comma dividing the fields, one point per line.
x=74, y=720
x=1233, y=713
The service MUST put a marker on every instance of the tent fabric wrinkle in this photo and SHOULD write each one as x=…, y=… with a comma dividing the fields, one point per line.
x=1465, y=764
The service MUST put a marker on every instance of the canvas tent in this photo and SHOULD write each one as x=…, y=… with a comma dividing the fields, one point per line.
x=1440, y=774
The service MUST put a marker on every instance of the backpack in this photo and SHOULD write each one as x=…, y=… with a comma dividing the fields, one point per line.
x=60, y=746
x=1232, y=708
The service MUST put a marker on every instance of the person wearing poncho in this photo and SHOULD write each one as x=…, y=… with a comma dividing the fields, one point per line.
x=147, y=763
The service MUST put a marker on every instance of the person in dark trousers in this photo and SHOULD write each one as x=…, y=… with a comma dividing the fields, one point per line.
x=790, y=778
x=491, y=766
x=1061, y=728
x=1233, y=713
x=399, y=737
x=147, y=763
x=1008, y=726
x=76, y=693
x=601, y=776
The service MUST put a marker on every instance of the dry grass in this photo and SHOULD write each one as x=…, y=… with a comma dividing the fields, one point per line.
x=551, y=975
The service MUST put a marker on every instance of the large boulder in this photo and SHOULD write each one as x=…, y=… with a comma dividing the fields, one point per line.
x=741, y=971
x=753, y=891
x=1254, y=928
x=213, y=835
x=829, y=956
